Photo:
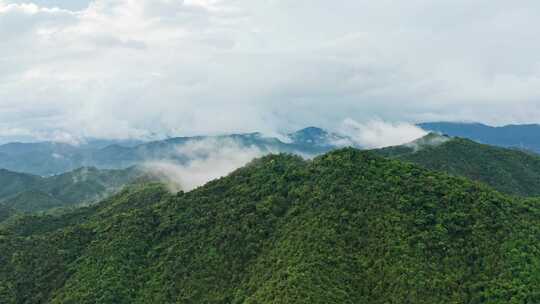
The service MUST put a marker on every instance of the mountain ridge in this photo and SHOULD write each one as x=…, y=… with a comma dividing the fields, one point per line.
x=49, y=158
x=26, y=193
x=507, y=170
x=523, y=136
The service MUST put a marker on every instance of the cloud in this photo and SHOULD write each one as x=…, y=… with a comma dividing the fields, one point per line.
x=17, y=134
x=379, y=134
x=73, y=5
x=209, y=159
x=427, y=141
x=18, y=20
x=122, y=68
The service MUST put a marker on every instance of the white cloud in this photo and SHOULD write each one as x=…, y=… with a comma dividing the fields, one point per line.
x=427, y=141
x=70, y=5
x=379, y=134
x=19, y=20
x=210, y=159
x=124, y=68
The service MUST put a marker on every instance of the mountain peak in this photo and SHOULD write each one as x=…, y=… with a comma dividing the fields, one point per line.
x=309, y=135
x=431, y=139
x=317, y=137
x=312, y=130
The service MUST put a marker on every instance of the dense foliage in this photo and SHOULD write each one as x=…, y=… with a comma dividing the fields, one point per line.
x=347, y=227
x=31, y=193
x=5, y=213
x=13, y=182
x=507, y=170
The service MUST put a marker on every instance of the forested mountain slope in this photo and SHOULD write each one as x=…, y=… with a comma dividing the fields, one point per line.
x=526, y=137
x=347, y=227
x=5, y=213
x=31, y=193
x=13, y=182
x=507, y=170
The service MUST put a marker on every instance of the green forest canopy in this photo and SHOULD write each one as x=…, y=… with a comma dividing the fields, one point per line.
x=347, y=227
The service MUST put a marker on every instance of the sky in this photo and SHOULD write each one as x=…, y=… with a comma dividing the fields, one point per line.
x=142, y=68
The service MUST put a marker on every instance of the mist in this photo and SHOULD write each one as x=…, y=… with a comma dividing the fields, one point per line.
x=379, y=134
x=209, y=159
x=199, y=161
x=428, y=141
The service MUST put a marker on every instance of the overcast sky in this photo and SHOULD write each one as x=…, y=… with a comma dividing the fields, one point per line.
x=130, y=68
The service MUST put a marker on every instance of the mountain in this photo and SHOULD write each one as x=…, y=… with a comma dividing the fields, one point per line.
x=88, y=183
x=13, y=182
x=29, y=193
x=526, y=137
x=33, y=201
x=49, y=158
x=346, y=227
x=5, y=213
x=32, y=193
x=315, y=140
x=507, y=170
x=40, y=158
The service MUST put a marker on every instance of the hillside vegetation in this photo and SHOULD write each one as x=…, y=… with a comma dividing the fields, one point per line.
x=5, y=213
x=525, y=137
x=509, y=171
x=30, y=193
x=347, y=227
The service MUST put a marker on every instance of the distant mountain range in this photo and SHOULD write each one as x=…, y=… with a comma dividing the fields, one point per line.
x=45, y=176
x=51, y=158
x=525, y=137
x=48, y=158
x=506, y=170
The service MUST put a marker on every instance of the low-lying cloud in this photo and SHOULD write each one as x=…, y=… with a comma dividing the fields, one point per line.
x=209, y=159
x=215, y=157
x=379, y=134
x=427, y=141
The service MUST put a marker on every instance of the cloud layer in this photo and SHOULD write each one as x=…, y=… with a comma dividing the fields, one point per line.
x=124, y=68
x=379, y=134
x=209, y=159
